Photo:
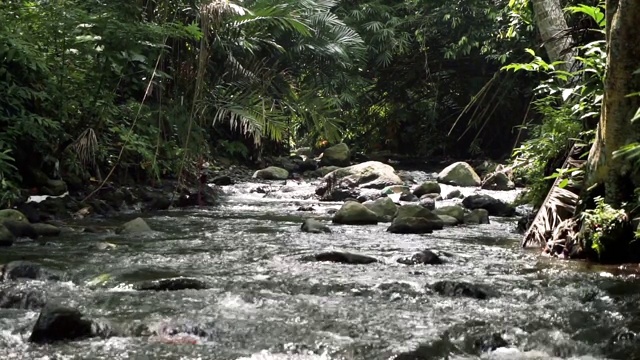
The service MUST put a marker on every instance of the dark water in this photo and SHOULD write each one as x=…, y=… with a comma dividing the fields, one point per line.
x=266, y=304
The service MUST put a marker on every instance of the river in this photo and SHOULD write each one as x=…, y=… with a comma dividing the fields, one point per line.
x=264, y=303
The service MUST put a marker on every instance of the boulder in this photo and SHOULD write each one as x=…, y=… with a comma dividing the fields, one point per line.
x=222, y=180
x=342, y=257
x=396, y=189
x=314, y=226
x=137, y=225
x=46, y=230
x=425, y=257
x=413, y=210
x=304, y=151
x=477, y=216
x=384, y=207
x=459, y=174
x=18, y=297
x=429, y=187
x=449, y=220
x=454, y=211
x=323, y=171
x=494, y=206
x=21, y=229
x=271, y=173
x=454, y=194
x=171, y=284
x=354, y=213
x=409, y=197
x=427, y=202
x=57, y=323
x=15, y=270
x=498, y=181
x=54, y=188
x=337, y=155
x=414, y=225
x=370, y=174
x=6, y=237
x=12, y=215
x=462, y=289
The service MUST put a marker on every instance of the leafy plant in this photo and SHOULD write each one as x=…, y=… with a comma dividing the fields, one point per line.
x=600, y=222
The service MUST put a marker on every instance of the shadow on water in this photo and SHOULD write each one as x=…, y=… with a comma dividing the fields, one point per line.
x=263, y=302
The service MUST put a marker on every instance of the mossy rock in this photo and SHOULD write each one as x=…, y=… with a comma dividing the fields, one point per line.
x=12, y=215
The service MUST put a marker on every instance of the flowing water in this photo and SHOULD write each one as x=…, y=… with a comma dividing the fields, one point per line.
x=264, y=303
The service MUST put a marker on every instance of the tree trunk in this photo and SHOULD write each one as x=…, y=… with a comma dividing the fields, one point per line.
x=553, y=27
x=615, y=128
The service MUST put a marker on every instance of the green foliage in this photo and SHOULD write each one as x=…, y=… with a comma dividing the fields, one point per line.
x=600, y=222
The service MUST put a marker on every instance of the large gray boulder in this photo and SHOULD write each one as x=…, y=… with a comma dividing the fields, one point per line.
x=354, y=213
x=384, y=207
x=337, y=155
x=459, y=174
x=370, y=174
x=271, y=173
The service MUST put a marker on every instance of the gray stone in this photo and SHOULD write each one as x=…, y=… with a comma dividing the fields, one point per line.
x=448, y=220
x=271, y=173
x=42, y=229
x=354, y=213
x=429, y=187
x=384, y=207
x=459, y=174
x=337, y=155
x=477, y=216
x=498, y=181
x=137, y=225
x=454, y=211
x=414, y=225
x=6, y=237
x=314, y=226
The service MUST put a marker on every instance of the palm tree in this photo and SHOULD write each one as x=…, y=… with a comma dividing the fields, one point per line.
x=553, y=28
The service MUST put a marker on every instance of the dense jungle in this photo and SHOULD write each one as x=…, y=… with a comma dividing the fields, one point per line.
x=319, y=179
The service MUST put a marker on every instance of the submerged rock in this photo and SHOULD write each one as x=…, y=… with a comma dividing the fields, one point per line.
x=171, y=284
x=22, y=298
x=477, y=216
x=354, y=213
x=459, y=174
x=137, y=225
x=15, y=270
x=414, y=225
x=57, y=323
x=424, y=257
x=343, y=257
x=46, y=230
x=494, y=206
x=314, y=226
x=462, y=289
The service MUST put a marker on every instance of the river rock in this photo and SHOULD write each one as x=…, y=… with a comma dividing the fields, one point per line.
x=21, y=229
x=384, y=207
x=425, y=257
x=454, y=194
x=54, y=187
x=454, y=211
x=271, y=173
x=314, y=226
x=449, y=220
x=414, y=225
x=18, y=297
x=323, y=171
x=462, y=289
x=344, y=258
x=498, y=181
x=494, y=206
x=459, y=174
x=354, y=213
x=413, y=210
x=12, y=215
x=429, y=187
x=15, y=270
x=6, y=237
x=476, y=217
x=337, y=155
x=396, y=189
x=57, y=323
x=46, y=230
x=136, y=225
x=427, y=202
x=370, y=174
x=409, y=197
x=304, y=151
x=171, y=284
x=222, y=180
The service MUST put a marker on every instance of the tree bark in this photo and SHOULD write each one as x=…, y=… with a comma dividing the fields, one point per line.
x=615, y=128
x=553, y=27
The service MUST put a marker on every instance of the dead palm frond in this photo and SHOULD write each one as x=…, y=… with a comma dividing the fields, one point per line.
x=559, y=206
x=85, y=147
